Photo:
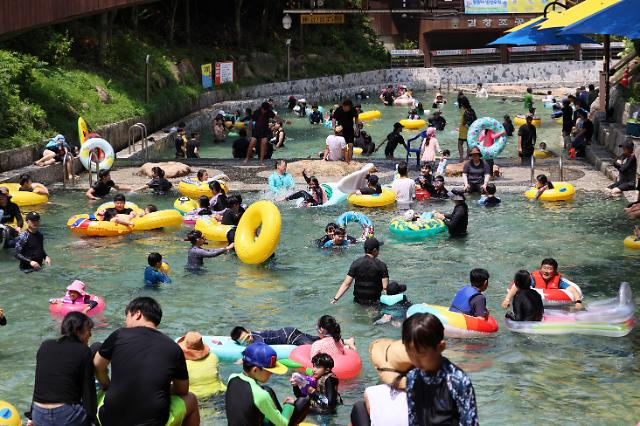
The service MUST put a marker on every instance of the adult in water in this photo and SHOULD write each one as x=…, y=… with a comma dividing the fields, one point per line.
x=30, y=246
x=280, y=181
x=119, y=213
x=9, y=213
x=548, y=277
x=149, y=383
x=347, y=117
x=458, y=219
x=103, y=185
x=370, y=274
x=64, y=391
x=476, y=172
x=279, y=336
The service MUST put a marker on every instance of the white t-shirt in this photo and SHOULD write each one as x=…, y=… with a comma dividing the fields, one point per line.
x=387, y=407
x=482, y=93
x=405, y=190
x=336, y=146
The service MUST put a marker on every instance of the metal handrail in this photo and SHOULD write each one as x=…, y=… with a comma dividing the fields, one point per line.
x=561, y=168
x=533, y=167
x=140, y=128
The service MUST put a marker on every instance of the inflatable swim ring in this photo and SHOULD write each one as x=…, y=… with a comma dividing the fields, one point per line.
x=357, y=150
x=369, y=115
x=194, y=189
x=334, y=195
x=346, y=366
x=9, y=415
x=520, y=119
x=632, y=242
x=62, y=309
x=413, y=124
x=404, y=101
x=83, y=130
x=89, y=226
x=561, y=191
x=541, y=154
x=483, y=134
x=229, y=351
x=614, y=318
x=185, y=204
x=127, y=205
x=424, y=227
x=156, y=220
x=557, y=296
x=376, y=200
x=254, y=249
x=361, y=218
x=212, y=229
x=24, y=198
x=106, y=162
x=458, y=325
x=422, y=194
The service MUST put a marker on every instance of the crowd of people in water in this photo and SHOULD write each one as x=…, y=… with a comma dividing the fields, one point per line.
x=138, y=375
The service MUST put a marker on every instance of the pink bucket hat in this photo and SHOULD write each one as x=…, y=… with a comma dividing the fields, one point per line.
x=78, y=286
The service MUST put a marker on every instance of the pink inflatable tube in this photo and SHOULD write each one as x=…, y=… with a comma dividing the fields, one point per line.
x=62, y=309
x=346, y=366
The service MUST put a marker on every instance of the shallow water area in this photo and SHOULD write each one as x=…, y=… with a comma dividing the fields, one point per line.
x=518, y=379
x=304, y=139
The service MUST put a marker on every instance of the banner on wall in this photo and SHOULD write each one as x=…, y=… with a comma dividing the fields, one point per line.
x=207, y=76
x=504, y=6
x=224, y=72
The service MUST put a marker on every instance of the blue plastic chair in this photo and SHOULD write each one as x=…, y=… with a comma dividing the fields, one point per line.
x=416, y=150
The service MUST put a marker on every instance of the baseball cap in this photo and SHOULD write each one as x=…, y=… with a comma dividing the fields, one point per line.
x=33, y=216
x=529, y=115
x=395, y=288
x=397, y=125
x=263, y=356
x=627, y=144
x=372, y=243
x=439, y=178
x=457, y=197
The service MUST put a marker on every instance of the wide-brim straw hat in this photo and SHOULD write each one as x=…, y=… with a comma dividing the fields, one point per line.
x=193, y=346
x=391, y=361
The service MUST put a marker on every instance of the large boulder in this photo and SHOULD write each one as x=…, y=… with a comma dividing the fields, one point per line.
x=172, y=169
x=264, y=64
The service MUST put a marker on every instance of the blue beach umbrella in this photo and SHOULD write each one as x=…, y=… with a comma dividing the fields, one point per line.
x=621, y=19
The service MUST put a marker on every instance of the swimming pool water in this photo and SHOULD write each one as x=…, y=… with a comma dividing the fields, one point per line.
x=518, y=379
x=304, y=140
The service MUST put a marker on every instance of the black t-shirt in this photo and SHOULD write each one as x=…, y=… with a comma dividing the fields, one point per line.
x=101, y=189
x=240, y=147
x=261, y=126
x=64, y=373
x=587, y=125
x=180, y=142
x=458, y=220
x=159, y=185
x=10, y=212
x=567, y=119
x=368, y=273
x=528, y=134
x=527, y=306
x=388, y=98
x=29, y=247
x=476, y=173
x=144, y=362
x=345, y=119
x=231, y=218
x=191, y=148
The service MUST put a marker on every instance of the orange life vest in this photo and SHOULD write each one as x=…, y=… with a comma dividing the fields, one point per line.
x=541, y=283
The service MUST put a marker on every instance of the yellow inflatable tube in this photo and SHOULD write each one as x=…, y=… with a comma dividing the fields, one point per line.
x=541, y=154
x=254, y=249
x=387, y=197
x=357, y=150
x=185, y=204
x=369, y=115
x=632, y=242
x=212, y=229
x=561, y=191
x=521, y=119
x=413, y=124
x=155, y=220
x=25, y=198
x=194, y=188
x=83, y=225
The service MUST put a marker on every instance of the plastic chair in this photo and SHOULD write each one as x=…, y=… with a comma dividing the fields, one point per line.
x=416, y=150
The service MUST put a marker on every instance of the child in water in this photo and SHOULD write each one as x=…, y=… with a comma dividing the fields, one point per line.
x=444, y=160
x=339, y=238
x=156, y=273
x=469, y=300
x=527, y=303
x=197, y=254
x=328, y=234
x=508, y=125
x=490, y=199
x=76, y=295
x=393, y=305
x=542, y=184
x=321, y=386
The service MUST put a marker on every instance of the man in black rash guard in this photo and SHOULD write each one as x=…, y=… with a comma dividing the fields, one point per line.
x=347, y=117
x=9, y=213
x=103, y=185
x=458, y=219
x=281, y=336
x=370, y=274
x=30, y=246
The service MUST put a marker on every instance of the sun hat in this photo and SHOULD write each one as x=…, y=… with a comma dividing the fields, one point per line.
x=78, y=286
x=193, y=346
x=263, y=356
x=391, y=361
x=456, y=197
x=338, y=129
x=475, y=150
x=394, y=288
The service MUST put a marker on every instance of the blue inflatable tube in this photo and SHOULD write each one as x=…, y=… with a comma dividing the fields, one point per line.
x=488, y=135
x=229, y=351
x=348, y=217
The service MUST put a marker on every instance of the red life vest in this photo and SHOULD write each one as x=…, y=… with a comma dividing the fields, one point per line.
x=541, y=283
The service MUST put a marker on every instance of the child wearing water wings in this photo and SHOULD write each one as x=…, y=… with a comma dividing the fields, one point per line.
x=76, y=295
x=321, y=386
x=394, y=305
x=156, y=273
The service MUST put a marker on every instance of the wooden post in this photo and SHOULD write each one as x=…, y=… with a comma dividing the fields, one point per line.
x=607, y=67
